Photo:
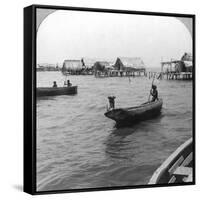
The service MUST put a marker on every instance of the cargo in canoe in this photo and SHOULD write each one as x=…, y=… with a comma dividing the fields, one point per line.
x=55, y=91
x=178, y=168
x=133, y=114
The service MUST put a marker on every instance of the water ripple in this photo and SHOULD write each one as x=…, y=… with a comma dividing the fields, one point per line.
x=78, y=147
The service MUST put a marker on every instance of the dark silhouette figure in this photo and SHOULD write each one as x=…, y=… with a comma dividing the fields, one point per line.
x=112, y=102
x=68, y=83
x=154, y=93
x=55, y=84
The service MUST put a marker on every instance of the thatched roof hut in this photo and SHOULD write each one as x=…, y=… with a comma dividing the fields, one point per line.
x=187, y=57
x=72, y=65
x=88, y=62
x=188, y=62
x=100, y=65
x=129, y=63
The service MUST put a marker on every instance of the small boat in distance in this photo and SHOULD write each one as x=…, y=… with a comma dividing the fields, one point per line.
x=178, y=168
x=131, y=115
x=55, y=91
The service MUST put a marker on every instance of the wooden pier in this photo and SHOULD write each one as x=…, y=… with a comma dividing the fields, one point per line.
x=118, y=73
x=171, y=75
x=178, y=75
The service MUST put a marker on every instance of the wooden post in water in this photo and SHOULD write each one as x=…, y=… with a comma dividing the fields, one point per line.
x=161, y=67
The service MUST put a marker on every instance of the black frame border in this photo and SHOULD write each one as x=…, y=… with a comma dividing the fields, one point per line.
x=29, y=143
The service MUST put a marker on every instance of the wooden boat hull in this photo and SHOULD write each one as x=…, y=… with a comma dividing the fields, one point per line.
x=47, y=91
x=178, y=168
x=134, y=114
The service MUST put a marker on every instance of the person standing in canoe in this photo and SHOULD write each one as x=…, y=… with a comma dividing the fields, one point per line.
x=112, y=102
x=154, y=93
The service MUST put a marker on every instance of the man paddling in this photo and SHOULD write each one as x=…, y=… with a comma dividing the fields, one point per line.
x=68, y=84
x=154, y=93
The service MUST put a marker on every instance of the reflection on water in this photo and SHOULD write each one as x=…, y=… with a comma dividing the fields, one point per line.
x=78, y=147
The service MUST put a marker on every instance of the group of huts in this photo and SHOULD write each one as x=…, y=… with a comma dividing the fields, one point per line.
x=47, y=67
x=122, y=66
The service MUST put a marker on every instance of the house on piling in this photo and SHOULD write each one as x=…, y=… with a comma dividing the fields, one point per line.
x=88, y=62
x=88, y=65
x=129, y=66
x=178, y=69
x=101, y=68
x=74, y=67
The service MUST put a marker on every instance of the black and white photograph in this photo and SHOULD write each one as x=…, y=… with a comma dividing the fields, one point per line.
x=114, y=99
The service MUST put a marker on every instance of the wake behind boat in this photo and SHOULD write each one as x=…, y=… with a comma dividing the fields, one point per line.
x=138, y=113
x=55, y=91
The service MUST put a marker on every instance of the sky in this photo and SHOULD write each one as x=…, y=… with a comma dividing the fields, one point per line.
x=75, y=34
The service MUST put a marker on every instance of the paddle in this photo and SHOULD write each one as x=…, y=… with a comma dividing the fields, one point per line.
x=65, y=81
x=151, y=87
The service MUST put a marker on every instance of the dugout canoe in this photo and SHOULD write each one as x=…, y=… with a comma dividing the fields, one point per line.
x=177, y=168
x=133, y=114
x=55, y=91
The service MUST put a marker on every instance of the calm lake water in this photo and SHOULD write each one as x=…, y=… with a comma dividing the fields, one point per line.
x=78, y=147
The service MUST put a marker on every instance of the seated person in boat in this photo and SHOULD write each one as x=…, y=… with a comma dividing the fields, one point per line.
x=112, y=102
x=154, y=93
x=55, y=84
x=68, y=83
